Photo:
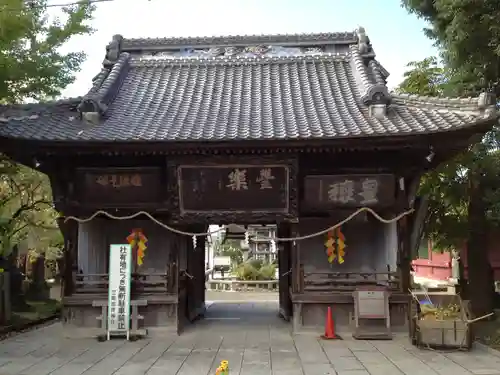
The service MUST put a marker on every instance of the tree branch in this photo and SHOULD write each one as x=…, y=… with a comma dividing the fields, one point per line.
x=27, y=207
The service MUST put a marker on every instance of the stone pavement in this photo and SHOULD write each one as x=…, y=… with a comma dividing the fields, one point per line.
x=248, y=335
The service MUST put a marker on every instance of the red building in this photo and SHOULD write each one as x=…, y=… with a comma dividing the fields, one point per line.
x=435, y=265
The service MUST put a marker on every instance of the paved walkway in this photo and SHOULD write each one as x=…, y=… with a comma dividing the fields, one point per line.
x=249, y=336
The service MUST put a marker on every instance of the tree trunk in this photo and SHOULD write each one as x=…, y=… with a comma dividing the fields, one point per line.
x=462, y=291
x=481, y=287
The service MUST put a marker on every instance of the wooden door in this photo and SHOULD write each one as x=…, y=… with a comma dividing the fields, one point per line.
x=285, y=275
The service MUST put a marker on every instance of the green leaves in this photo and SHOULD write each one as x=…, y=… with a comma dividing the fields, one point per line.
x=26, y=212
x=425, y=77
x=33, y=66
x=468, y=35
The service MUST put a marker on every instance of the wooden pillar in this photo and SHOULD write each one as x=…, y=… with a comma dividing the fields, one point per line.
x=404, y=248
x=295, y=254
x=404, y=236
x=404, y=263
x=297, y=274
x=69, y=230
x=199, y=270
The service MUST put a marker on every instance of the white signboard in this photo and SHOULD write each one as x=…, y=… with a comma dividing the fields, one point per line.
x=120, y=263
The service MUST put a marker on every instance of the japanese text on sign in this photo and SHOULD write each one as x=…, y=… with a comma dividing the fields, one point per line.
x=119, y=180
x=119, y=289
x=344, y=192
x=349, y=190
x=238, y=179
x=114, y=305
x=236, y=187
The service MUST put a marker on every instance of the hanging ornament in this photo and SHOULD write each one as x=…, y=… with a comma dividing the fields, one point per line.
x=194, y=242
x=247, y=242
x=330, y=247
x=340, y=245
x=335, y=246
x=138, y=241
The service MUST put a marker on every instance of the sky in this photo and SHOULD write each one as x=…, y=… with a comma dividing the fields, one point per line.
x=396, y=36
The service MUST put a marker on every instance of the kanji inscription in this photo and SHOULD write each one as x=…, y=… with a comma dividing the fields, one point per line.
x=119, y=180
x=349, y=190
x=119, y=186
x=233, y=188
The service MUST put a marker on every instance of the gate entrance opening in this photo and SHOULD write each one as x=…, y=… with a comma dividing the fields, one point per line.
x=246, y=271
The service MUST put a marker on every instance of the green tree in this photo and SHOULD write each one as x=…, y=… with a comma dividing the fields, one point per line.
x=424, y=77
x=229, y=248
x=464, y=200
x=33, y=67
x=26, y=211
x=467, y=33
x=32, y=63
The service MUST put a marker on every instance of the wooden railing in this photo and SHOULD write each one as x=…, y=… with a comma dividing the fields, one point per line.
x=141, y=283
x=345, y=281
x=242, y=285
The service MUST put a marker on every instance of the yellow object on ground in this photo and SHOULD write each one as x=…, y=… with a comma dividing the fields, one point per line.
x=223, y=369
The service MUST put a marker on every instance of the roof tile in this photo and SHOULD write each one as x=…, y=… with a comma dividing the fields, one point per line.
x=261, y=93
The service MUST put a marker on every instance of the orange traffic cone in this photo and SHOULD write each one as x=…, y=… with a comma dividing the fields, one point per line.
x=329, y=327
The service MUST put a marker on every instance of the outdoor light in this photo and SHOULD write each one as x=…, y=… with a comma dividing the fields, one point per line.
x=431, y=155
x=273, y=246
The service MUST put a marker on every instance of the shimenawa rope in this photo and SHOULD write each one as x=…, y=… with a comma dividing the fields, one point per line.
x=277, y=239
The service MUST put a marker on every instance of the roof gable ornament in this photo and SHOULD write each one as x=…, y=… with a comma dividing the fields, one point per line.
x=376, y=94
x=106, y=84
x=113, y=50
x=91, y=110
x=486, y=103
x=364, y=44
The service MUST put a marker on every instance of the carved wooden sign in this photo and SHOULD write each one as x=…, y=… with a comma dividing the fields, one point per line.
x=326, y=191
x=123, y=186
x=233, y=188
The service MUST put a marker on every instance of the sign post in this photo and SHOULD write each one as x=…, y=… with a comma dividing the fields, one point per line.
x=120, y=262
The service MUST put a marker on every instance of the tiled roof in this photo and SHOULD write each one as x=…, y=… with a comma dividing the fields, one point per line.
x=320, y=86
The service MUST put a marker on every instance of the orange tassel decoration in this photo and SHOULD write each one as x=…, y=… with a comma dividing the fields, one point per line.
x=138, y=240
x=335, y=246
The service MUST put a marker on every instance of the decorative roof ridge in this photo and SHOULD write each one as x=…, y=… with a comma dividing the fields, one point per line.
x=383, y=70
x=21, y=112
x=434, y=100
x=48, y=103
x=485, y=103
x=379, y=72
x=98, y=80
x=372, y=94
x=225, y=60
x=144, y=44
x=107, y=83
